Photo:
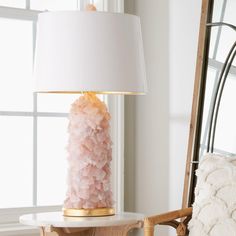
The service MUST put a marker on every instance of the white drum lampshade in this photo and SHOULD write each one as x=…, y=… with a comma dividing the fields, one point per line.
x=89, y=52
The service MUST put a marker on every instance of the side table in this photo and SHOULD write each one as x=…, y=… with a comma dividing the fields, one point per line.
x=55, y=224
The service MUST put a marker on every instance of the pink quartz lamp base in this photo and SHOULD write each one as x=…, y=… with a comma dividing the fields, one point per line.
x=89, y=156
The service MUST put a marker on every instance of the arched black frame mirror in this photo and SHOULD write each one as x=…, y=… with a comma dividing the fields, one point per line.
x=213, y=126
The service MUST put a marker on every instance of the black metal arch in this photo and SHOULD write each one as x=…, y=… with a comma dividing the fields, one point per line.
x=219, y=88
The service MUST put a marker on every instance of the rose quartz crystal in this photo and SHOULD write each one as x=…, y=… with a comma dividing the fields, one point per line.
x=90, y=154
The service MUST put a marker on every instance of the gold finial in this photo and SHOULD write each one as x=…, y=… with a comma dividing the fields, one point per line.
x=90, y=7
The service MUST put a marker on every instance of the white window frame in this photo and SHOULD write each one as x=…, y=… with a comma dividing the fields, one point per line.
x=9, y=217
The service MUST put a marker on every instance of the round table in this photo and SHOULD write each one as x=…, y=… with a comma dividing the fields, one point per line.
x=52, y=223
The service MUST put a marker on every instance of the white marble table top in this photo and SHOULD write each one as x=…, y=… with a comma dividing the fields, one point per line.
x=56, y=219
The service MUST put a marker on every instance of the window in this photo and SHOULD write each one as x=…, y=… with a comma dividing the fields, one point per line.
x=33, y=127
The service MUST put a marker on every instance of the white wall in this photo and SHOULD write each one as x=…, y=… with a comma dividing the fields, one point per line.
x=184, y=28
x=157, y=124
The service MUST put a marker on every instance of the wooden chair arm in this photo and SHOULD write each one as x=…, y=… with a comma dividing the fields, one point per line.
x=172, y=215
x=168, y=218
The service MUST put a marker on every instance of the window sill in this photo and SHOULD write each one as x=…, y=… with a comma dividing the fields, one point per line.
x=17, y=229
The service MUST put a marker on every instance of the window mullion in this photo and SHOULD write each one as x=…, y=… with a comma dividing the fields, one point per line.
x=17, y=13
x=35, y=168
x=28, y=4
x=35, y=124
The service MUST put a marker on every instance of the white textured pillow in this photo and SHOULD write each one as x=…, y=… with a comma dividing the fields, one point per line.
x=214, y=209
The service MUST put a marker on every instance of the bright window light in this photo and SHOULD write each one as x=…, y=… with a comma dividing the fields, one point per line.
x=52, y=141
x=16, y=59
x=55, y=102
x=16, y=161
x=13, y=3
x=53, y=5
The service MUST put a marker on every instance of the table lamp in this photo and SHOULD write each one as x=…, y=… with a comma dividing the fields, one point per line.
x=89, y=53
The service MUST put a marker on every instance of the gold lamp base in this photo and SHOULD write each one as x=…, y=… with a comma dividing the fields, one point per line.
x=88, y=212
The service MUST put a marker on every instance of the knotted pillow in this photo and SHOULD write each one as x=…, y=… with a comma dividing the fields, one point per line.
x=214, y=209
